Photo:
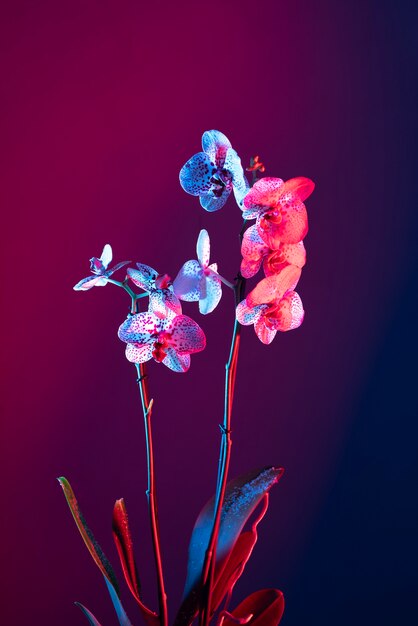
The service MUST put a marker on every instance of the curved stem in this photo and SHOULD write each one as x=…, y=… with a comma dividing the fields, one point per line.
x=151, y=491
x=224, y=457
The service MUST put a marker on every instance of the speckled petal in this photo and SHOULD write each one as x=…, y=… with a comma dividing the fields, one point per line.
x=263, y=195
x=253, y=247
x=138, y=353
x=292, y=228
x=247, y=315
x=265, y=334
x=291, y=312
x=210, y=203
x=195, y=175
x=274, y=287
x=91, y=281
x=164, y=303
x=203, y=248
x=250, y=268
x=139, y=328
x=186, y=283
x=212, y=294
x=186, y=335
x=294, y=253
x=144, y=277
x=239, y=182
x=300, y=186
x=177, y=362
x=216, y=145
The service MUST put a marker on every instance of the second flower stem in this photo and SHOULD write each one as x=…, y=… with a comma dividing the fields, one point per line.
x=151, y=492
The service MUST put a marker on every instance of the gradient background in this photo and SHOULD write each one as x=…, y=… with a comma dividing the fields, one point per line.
x=101, y=104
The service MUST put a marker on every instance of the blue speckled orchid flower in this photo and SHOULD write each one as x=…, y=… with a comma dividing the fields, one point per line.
x=197, y=280
x=167, y=340
x=162, y=301
x=214, y=173
x=98, y=267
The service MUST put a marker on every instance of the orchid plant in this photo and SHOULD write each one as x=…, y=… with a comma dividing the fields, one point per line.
x=220, y=546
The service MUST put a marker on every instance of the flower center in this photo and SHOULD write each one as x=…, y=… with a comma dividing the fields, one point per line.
x=163, y=281
x=273, y=316
x=275, y=259
x=220, y=180
x=160, y=346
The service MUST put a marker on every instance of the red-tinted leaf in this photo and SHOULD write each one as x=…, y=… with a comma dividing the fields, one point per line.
x=93, y=547
x=226, y=578
x=241, y=498
x=266, y=607
x=124, y=545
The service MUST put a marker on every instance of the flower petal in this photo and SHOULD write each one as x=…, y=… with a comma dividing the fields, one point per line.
x=253, y=249
x=211, y=203
x=195, y=175
x=106, y=256
x=265, y=334
x=212, y=293
x=91, y=281
x=186, y=283
x=216, y=145
x=302, y=187
x=263, y=195
x=203, y=248
x=247, y=315
x=144, y=277
x=274, y=287
x=177, y=362
x=164, y=303
x=116, y=267
x=139, y=328
x=291, y=312
x=292, y=228
x=186, y=335
x=240, y=183
x=138, y=353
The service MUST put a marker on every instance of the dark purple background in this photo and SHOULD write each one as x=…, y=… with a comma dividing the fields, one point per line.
x=101, y=104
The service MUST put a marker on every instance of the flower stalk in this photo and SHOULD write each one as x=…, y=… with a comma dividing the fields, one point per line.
x=147, y=405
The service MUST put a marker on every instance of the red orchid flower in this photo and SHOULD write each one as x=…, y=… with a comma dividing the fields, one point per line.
x=273, y=305
x=254, y=252
x=279, y=209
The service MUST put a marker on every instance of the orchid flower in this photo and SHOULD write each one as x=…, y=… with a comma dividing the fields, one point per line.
x=162, y=301
x=255, y=251
x=279, y=209
x=214, y=173
x=98, y=267
x=167, y=340
x=197, y=280
x=273, y=305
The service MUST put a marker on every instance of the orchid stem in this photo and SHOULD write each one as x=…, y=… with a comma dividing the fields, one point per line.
x=147, y=405
x=134, y=296
x=224, y=456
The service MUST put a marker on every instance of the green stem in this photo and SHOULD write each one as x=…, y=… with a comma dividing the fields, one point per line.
x=224, y=457
x=151, y=491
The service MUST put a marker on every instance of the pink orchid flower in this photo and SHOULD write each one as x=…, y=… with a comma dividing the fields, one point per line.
x=279, y=209
x=273, y=305
x=167, y=340
x=255, y=251
x=197, y=280
x=162, y=300
x=98, y=267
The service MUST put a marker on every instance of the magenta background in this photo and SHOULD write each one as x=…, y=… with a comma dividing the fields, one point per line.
x=101, y=104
